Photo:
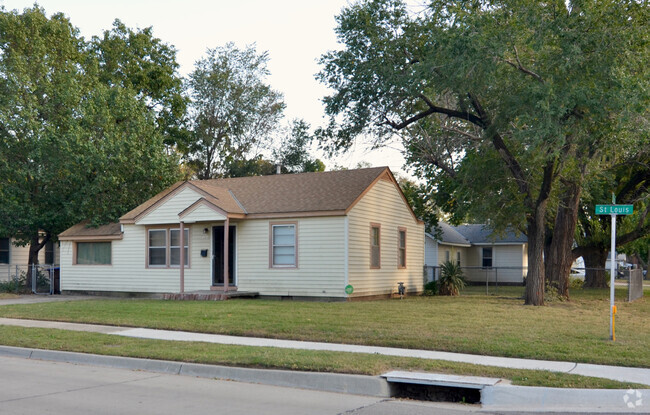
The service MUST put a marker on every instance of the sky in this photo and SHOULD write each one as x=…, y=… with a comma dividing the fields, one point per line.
x=294, y=32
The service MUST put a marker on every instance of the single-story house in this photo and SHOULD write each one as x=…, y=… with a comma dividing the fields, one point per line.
x=338, y=234
x=481, y=253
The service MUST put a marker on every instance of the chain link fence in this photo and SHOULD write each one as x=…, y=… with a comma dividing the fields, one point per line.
x=24, y=279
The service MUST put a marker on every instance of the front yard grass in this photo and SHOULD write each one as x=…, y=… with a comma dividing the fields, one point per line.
x=276, y=358
x=497, y=325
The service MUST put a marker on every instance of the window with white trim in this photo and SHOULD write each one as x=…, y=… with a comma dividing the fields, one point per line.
x=487, y=257
x=458, y=258
x=283, y=246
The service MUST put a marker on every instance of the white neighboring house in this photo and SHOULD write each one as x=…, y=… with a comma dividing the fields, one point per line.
x=289, y=235
x=481, y=253
x=12, y=256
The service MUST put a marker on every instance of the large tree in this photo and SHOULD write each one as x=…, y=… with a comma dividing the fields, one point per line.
x=71, y=146
x=505, y=88
x=138, y=61
x=233, y=111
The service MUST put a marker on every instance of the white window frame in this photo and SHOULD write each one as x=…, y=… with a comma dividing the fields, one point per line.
x=273, y=245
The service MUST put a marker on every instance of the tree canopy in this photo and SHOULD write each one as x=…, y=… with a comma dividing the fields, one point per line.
x=496, y=100
x=73, y=145
x=233, y=111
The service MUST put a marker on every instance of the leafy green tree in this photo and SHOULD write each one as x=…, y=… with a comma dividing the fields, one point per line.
x=293, y=154
x=494, y=98
x=420, y=197
x=233, y=111
x=71, y=146
x=138, y=61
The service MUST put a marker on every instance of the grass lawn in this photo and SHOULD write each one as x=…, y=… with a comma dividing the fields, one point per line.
x=276, y=358
x=498, y=325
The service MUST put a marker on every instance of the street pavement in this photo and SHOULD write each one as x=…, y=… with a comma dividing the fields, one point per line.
x=32, y=387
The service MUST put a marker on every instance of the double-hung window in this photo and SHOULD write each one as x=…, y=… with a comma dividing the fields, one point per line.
x=4, y=250
x=487, y=257
x=401, y=248
x=375, y=246
x=458, y=258
x=283, y=245
x=164, y=247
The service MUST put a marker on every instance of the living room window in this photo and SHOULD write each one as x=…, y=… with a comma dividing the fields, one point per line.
x=164, y=250
x=93, y=253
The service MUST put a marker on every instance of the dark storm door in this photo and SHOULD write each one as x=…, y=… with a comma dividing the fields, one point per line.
x=217, y=257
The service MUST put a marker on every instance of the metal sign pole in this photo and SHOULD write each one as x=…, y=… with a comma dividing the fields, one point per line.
x=611, y=279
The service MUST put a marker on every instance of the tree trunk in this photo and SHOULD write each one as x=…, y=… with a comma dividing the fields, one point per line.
x=595, y=262
x=35, y=246
x=559, y=255
x=535, y=277
x=32, y=259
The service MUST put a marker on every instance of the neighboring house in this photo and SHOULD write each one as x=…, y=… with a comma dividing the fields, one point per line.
x=290, y=235
x=482, y=254
x=12, y=256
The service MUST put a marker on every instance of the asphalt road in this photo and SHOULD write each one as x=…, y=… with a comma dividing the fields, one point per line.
x=39, y=387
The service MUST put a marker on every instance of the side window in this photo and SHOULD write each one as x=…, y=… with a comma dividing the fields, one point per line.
x=447, y=256
x=458, y=258
x=4, y=250
x=401, y=248
x=375, y=246
x=283, y=246
x=487, y=257
x=93, y=253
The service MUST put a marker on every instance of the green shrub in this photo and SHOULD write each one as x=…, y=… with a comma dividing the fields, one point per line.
x=431, y=288
x=451, y=279
x=576, y=283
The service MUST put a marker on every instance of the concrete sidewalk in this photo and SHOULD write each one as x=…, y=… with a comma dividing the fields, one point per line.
x=623, y=374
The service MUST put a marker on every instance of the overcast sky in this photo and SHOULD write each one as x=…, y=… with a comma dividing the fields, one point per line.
x=294, y=32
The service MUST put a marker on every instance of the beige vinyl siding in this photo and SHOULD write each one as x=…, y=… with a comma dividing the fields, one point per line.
x=19, y=255
x=503, y=257
x=321, y=264
x=384, y=205
x=128, y=271
x=167, y=212
x=203, y=213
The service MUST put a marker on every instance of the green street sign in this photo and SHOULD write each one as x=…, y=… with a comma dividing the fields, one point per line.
x=349, y=289
x=614, y=209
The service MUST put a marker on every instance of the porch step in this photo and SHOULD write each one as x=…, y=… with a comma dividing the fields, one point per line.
x=209, y=295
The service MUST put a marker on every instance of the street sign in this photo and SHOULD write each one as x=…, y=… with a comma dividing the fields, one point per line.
x=614, y=209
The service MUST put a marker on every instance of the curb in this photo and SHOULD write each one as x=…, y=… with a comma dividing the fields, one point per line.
x=538, y=399
x=328, y=382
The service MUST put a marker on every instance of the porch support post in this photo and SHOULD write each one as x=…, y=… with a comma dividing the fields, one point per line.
x=182, y=263
x=226, y=232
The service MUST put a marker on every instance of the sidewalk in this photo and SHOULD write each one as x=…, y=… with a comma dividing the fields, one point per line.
x=623, y=374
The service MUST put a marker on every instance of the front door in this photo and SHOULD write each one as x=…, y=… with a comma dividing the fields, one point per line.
x=217, y=257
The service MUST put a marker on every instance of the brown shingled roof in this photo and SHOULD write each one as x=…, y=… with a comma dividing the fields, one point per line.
x=282, y=193
x=82, y=231
x=304, y=192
